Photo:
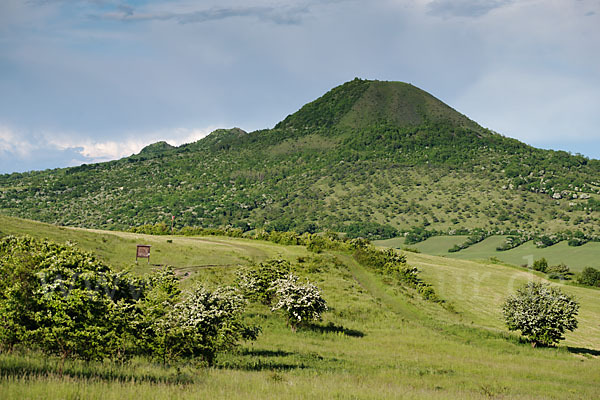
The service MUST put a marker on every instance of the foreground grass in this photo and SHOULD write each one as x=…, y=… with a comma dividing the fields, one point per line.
x=378, y=340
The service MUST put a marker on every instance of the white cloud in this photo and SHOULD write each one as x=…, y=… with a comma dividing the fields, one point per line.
x=12, y=142
x=22, y=152
x=96, y=151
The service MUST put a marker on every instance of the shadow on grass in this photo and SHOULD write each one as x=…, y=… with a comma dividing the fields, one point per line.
x=91, y=372
x=332, y=328
x=259, y=365
x=266, y=353
x=583, y=351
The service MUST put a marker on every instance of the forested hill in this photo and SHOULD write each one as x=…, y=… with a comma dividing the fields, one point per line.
x=367, y=158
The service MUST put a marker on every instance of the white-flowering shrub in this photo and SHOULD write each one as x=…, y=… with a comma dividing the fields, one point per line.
x=541, y=312
x=256, y=281
x=207, y=322
x=300, y=302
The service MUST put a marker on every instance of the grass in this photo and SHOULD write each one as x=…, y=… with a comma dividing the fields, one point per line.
x=185, y=254
x=378, y=340
x=478, y=289
x=577, y=258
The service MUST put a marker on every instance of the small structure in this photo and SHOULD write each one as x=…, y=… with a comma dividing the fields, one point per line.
x=143, y=251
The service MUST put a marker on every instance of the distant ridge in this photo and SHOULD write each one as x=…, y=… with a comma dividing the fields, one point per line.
x=156, y=148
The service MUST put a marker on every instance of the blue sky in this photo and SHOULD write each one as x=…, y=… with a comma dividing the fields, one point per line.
x=85, y=81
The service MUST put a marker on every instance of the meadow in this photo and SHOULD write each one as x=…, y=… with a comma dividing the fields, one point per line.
x=577, y=258
x=378, y=340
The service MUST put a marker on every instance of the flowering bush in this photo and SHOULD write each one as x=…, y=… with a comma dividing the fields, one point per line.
x=256, y=281
x=64, y=301
x=300, y=302
x=204, y=323
x=542, y=313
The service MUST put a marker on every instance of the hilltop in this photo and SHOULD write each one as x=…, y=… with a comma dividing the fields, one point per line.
x=368, y=158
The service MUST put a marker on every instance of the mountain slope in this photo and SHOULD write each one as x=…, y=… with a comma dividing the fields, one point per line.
x=367, y=154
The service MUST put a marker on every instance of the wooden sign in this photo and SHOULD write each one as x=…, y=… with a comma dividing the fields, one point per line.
x=143, y=251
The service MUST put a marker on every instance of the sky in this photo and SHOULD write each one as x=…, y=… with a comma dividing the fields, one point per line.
x=85, y=81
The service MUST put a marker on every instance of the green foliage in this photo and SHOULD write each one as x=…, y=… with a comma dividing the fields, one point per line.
x=541, y=312
x=560, y=271
x=328, y=110
x=589, y=277
x=513, y=241
x=392, y=263
x=300, y=303
x=66, y=302
x=540, y=265
x=204, y=323
x=370, y=230
x=476, y=236
x=417, y=234
x=368, y=158
x=411, y=249
x=256, y=281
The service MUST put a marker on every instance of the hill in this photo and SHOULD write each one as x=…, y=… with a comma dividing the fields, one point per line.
x=368, y=158
x=379, y=339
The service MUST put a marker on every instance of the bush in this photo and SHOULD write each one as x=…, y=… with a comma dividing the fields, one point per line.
x=542, y=313
x=476, y=236
x=206, y=322
x=416, y=235
x=64, y=301
x=393, y=264
x=369, y=230
x=560, y=271
x=256, y=281
x=589, y=277
x=299, y=302
x=540, y=265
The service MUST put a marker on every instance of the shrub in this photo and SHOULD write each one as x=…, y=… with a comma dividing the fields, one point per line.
x=560, y=271
x=64, y=301
x=256, y=281
x=541, y=312
x=392, y=263
x=206, y=322
x=300, y=302
x=416, y=235
x=411, y=249
x=589, y=276
x=540, y=265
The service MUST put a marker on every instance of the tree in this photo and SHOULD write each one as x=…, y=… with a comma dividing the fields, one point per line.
x=299, y=302
x=589, y=276
x=541, y=312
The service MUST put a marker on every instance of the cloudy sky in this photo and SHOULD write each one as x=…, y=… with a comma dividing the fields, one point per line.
x=84, y=81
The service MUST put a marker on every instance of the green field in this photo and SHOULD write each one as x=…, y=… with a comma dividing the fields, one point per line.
x=576, y=258
x=379, y=340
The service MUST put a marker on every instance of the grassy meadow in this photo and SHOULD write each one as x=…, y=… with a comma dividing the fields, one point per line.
x=378, y=340
x=577, y=258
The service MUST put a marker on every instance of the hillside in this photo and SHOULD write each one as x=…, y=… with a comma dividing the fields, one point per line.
x=367, y=158
x=379, y=339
